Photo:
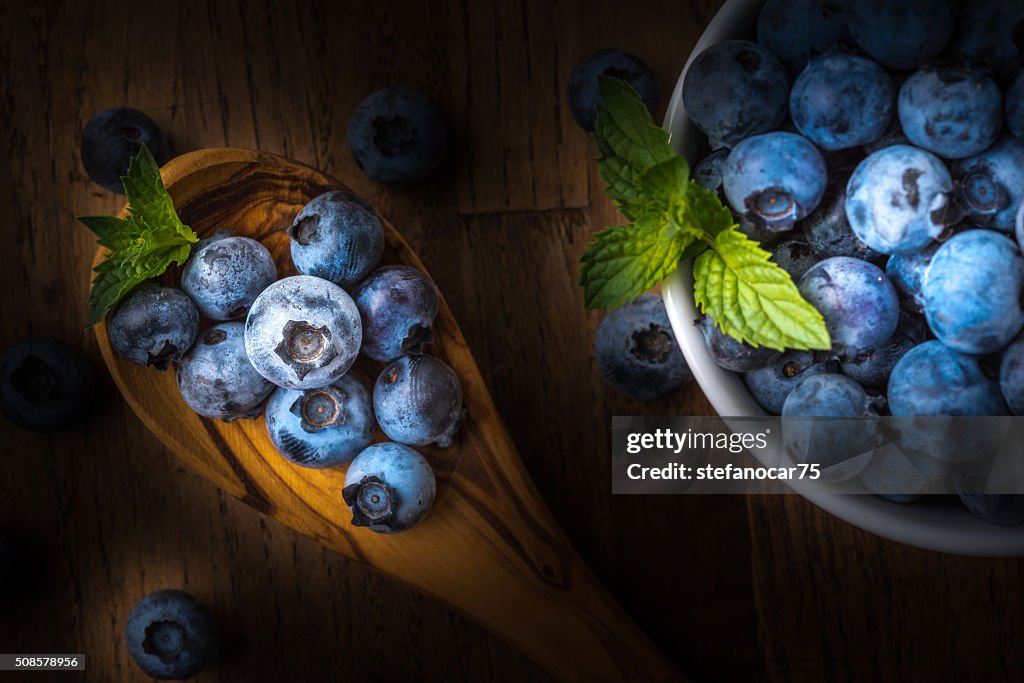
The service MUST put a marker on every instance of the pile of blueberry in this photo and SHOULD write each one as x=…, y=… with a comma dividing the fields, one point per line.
x=877, y=149
x=297, y=345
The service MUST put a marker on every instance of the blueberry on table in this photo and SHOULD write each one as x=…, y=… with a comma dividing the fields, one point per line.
x=901, y=34
x=418, y=401
x=1011, y=376
x=637, y=353
x=794, y=257
x=873, y=370
x=897, y=199
x=397, y=305
x=321, y=427
x=338, y=237
x=933, y=379
x=397, y=135
x=112, y=137
x=989, y=32
x=226, y=275
x=953, y=111
x=992, y=183
x=736, y=89
x=216, y=378
x=906, y=272
x=171, y=635
x=45, y=385
x=154, y=325
x=585, y=95
x=389, y=488
x=972, y=292
x=842, y=100
x=775, y=179
x=1015, y=105
x=857, y=301
x=732, y=354
x=798, y=30
x=303, y=332
x=771, y=385
x=995, y=508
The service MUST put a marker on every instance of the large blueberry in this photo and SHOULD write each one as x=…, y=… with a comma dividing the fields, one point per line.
x=226, y=275
x=636, y=351
x=827, y=229
x=418, y=401
x=585, y=95
x=321, y=427
x=972, y=292
x=112, y=137
x=216, y=378
x=1015, y=105
x=933, y=379
x=992, y=183
x=989, y=32
x=874, y=369
x=857, y=301
x=897, y=199
x=397, y=135
x=906, y=272
x=303, y=332
x=736, y=89
x=903, y=34
x=397, y=305
x=798, y=30
x=337, y=236
x=841, y=100
x=171, y=635
x=771, y=385
x=775, y=179
x=389, y=488
x=953, y=111
x=1011, y=376
x=45, y=385
x=154, y=325
x=732, y=354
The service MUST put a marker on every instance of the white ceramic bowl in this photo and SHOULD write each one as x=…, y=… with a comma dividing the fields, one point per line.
x=943, y=527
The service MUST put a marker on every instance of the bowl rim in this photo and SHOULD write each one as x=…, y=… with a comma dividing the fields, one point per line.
x=944, y=528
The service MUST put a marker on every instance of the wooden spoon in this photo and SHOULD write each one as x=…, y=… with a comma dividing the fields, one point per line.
x=490, y=548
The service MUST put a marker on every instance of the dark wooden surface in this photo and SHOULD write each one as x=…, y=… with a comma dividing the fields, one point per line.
x=731, y=588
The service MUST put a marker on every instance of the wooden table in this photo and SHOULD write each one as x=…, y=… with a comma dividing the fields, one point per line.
x=731, y=588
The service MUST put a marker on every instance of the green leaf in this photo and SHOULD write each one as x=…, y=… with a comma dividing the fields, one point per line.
x=109, y=286
x=752, y=299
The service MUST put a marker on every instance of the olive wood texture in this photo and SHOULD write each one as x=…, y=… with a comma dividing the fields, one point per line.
x=490, y=548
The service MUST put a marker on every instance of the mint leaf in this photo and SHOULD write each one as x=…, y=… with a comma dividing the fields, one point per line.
x=752, y=299
x=140, y=246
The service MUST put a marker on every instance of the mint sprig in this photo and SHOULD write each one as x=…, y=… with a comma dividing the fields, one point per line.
x=141, y=246
x=674, y=219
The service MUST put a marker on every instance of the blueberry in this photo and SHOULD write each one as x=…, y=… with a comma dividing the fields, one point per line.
x=760, y=234
x=397, y=305
x=397, y=135
x=216, y=378
x=154, y=325
x=774, y=179
x=338, y=237
x=303, y=332
x=171, y=635
x=901, y=35
x=226, y=275
x=953, y=111
x=45, y=385
x=112, y=137
x=1011, y=376
x=771, y=385
x=902, y=474
x=827, y=229
x=989, y=31
x=873, y=370
x=972, y=292
x=708, y=172
x=932, y=379
x=636, y=351
x=841, y=100
x=794, y=257
x=736, y=89
x=585, y=95
x=829, y=395
x=321, y=427
x=858, y=302
x=906, y=272
x=389, y=488
x=734, y=355
x=992, y=183
x=798, y=30
x=1015, y=105
x=418, y=401
x=896, y=200
x=995, y=508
